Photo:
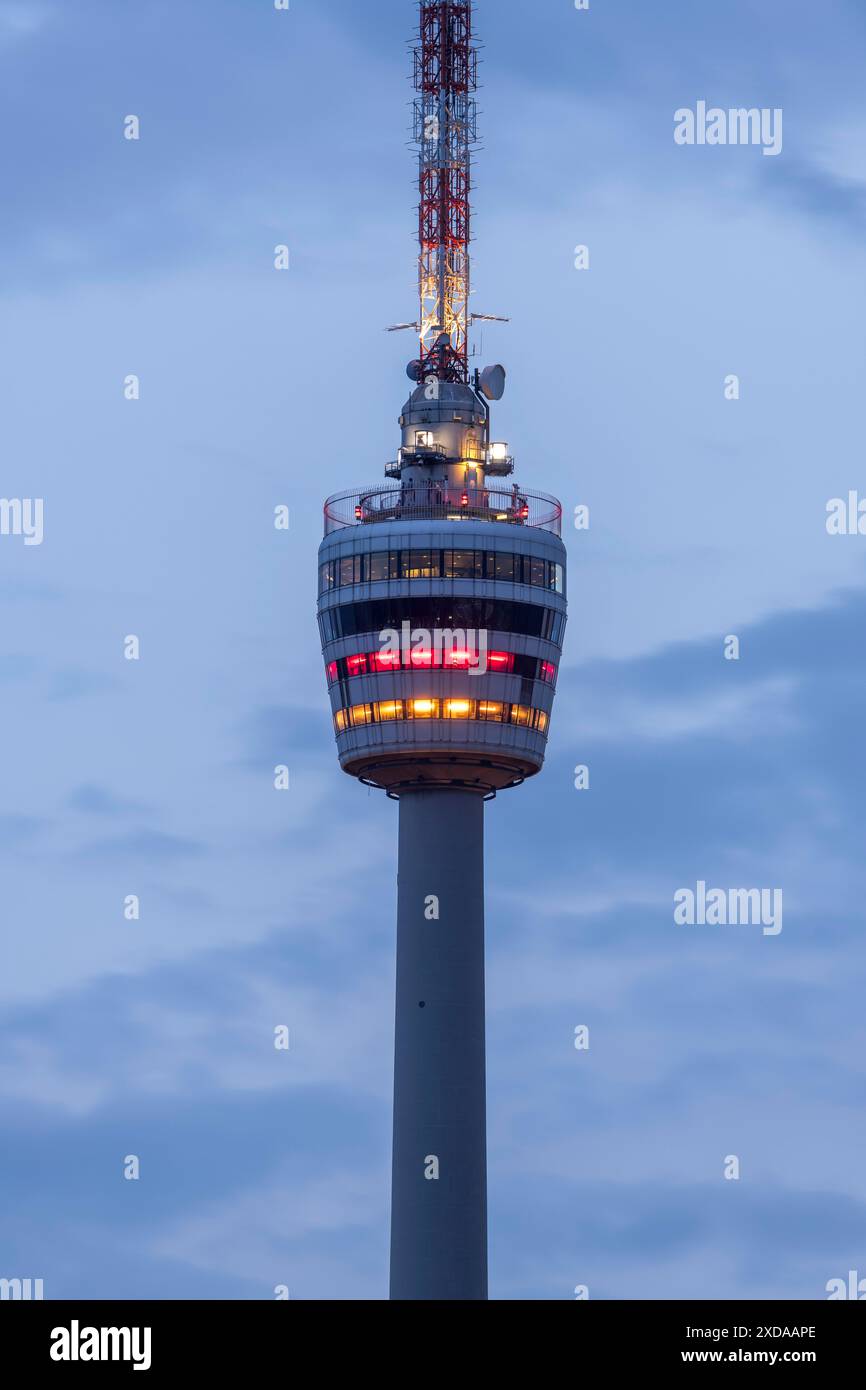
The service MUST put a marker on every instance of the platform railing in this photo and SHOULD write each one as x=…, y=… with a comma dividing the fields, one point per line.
x=438, y=501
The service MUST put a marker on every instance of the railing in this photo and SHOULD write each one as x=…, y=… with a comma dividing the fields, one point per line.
x=441, y=502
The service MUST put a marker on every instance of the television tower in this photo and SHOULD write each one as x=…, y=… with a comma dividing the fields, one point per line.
x=442, y=612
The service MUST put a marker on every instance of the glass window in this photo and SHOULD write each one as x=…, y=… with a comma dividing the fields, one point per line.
x=361, y=714
x=420, y=564
x=520, y=714
x=332, y=672
x=536, y=572
x=356, y=665
x=542, y=721
x=389, y=709
x=463, y=564
x=340, y=721
x=459, y=709
x=557, y=579
x=347, y=569
x=504, y=567
x=490, y=709
x=548, y=672
x=377, y=566
x=424, y=709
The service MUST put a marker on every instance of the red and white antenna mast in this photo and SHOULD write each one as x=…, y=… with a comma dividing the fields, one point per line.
x=446, y=79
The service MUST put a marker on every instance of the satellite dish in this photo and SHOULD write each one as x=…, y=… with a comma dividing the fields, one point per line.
x=491, y=382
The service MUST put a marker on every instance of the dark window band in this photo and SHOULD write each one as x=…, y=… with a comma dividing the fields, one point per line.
x=445, y=611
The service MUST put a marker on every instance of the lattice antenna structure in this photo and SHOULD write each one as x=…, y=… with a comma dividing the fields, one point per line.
x=445, y=127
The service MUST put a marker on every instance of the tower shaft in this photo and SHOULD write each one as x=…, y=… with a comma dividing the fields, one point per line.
x=439, y=1173
x=445, y=130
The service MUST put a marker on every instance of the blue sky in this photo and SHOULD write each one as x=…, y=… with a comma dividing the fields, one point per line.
x=258, y=388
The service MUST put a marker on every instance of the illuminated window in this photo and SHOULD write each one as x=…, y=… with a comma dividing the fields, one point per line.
x=356, y=665
x=458, y=709
x=347, y=570
x=332, y=672
x=459, y=659
x=490, y=709
x=384, y=661
x=420, y=564
x=504, y=567
x=377, y=566
x=421, y=657
x=390, y=709
x=500, y=661
x=548, y=672
x=557, y=579
x=424, y=709
x=536, y=572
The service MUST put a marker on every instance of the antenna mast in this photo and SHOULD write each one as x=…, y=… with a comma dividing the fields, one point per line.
x=446, y=79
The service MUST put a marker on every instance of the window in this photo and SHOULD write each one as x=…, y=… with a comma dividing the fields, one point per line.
x=347, y=570
x=384, y=661
x=504, y=567
x=459, y=709
x=491, y=709
x=464, y=564
x=445, y=611
x=377, y=566
x=326, y=577
x=548, y=672
x=500, y=661
x=356, y=665
x=557, y=579
x=387, y=711
x=536, y=572
x=332, y=673
x=390, y=709
x=423, y=709
x=420, y=564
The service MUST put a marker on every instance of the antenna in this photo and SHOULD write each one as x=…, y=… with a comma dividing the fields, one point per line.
x=446, y=78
